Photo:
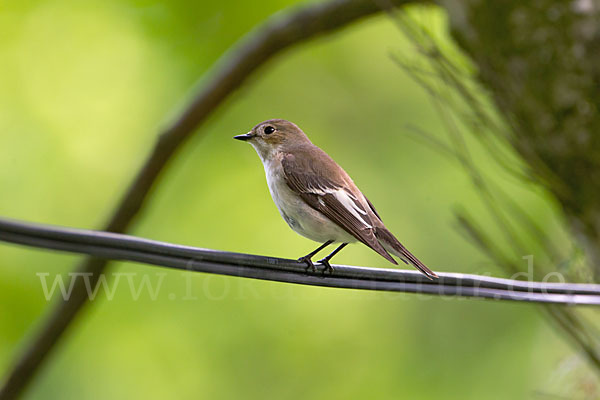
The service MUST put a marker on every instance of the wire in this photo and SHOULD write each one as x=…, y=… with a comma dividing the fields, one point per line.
x=129, y=248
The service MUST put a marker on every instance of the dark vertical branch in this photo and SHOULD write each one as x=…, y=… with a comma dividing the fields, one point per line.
x=457, y=96
x=541, y=63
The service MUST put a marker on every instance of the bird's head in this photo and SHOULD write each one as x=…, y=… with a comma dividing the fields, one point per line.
x=272, y=136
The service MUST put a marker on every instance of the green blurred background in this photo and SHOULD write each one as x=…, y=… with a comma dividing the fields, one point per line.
x=84, y=89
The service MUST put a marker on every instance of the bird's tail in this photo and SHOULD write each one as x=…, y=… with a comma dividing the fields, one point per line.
x=391, y=244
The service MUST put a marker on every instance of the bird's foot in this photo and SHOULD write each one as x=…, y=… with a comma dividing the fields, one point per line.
x=327, y=267
x=310, y=266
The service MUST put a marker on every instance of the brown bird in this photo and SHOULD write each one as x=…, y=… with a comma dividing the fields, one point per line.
x=317, y=198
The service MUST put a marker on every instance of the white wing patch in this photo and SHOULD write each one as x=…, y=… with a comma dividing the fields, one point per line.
x=320, y=190
x=348, y=201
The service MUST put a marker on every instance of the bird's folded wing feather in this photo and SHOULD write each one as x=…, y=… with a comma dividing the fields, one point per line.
x=328, y=194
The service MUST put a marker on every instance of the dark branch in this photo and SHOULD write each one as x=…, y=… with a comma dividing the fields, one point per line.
x=123, y=247
x=277, y=34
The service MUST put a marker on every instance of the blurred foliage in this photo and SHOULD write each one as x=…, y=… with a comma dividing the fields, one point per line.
x=467, y=110
x=84, y=89
x=541, y=65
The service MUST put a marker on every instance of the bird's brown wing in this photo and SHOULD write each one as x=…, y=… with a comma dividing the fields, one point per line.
x=397, y=248
x=309, y=175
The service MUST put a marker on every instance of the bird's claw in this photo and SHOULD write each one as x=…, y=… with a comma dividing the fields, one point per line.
x=325, y=263
x=309, y=264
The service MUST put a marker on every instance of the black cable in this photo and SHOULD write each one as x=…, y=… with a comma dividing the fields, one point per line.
x=128, y=248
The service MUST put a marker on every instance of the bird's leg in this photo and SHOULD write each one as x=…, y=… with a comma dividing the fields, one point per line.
x=307, y=258
x=325, y=261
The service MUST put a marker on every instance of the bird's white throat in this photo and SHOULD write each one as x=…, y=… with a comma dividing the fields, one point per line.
x=266, y=152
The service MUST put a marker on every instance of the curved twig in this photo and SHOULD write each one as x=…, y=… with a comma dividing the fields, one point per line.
x=254, y=50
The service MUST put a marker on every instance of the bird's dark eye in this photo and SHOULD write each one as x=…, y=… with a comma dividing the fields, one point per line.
x=269, y=130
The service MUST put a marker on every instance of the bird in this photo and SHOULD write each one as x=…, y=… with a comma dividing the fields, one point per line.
x=318, y=199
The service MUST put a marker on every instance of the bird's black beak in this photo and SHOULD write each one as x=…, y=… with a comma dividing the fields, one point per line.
x=244, y=137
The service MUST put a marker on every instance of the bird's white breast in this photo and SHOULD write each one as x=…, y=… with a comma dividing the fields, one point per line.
x=301, y=217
